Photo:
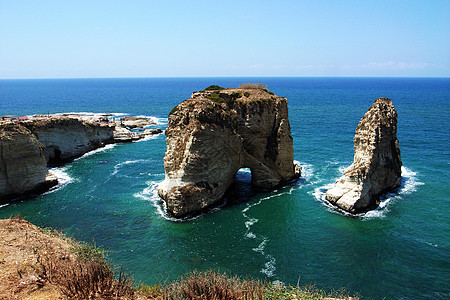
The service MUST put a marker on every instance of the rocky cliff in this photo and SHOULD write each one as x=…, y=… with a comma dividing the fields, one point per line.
x=376, y=168
x=23, y=165
x=66, y=138
x=215, y=133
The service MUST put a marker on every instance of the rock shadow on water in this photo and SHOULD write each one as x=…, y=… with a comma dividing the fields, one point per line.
x=240, y=192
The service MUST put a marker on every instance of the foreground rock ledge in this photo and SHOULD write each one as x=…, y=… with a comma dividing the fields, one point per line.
x=376, y=168
x=215, y=133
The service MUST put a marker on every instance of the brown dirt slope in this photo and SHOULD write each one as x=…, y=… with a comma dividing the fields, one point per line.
x=41, y=264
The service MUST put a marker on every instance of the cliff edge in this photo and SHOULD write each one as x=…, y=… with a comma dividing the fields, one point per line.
x=376, y=167
x=215, y=133
x=66, y=138
x=23, y=164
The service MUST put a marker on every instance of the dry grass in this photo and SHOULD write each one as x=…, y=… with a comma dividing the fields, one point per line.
x=250, y=85
x=85, y=279
x=207, y=285
x=44, y=264
x=211, y=285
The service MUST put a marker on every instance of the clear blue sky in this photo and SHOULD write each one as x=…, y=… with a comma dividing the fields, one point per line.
x=96, y=38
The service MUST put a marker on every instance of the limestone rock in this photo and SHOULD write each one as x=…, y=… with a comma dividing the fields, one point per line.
x=376, y=168
x=215, y=133
x=135, y=122
x=66, y=138
x=23, y=165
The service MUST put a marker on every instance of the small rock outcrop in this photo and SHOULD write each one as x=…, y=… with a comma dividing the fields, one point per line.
x=215, y=133
x=376, y=168
x=23, y=165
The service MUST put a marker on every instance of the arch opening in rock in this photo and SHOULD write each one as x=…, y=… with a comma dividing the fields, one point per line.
x=213, y=135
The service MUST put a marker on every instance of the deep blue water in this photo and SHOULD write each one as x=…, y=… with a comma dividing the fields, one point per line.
x=401, y=251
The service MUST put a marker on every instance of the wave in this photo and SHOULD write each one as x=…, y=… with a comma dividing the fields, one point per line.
x=117, y=166
x=307, y=170
x=98, y=150
x=408, y=185
x=150, y=137
x=150, y=193
x=157, y=120
x=63, y=178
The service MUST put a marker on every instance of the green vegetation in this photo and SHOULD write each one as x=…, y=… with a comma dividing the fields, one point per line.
x=250, y=85
x=213, y=96
x=214, y=88
x=270, y=92
x=89, y=252
x=174, y=110
x=236, y=95
x=246, y=94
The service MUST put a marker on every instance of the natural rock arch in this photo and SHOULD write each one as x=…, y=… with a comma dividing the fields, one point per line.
x=214, y=134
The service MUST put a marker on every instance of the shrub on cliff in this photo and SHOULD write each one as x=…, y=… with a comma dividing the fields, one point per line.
x=214, y=88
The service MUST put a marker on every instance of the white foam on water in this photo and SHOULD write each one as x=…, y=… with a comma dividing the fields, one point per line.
x=117, y=166
x=63, y=178
x=307, y=171
x=248, y=224
x=3, y=205
x=269, y=267
x=244, y=170
x=150, y=137
x=156, y=120
x=342, y=169
x=261, y=246
x=98, y=150
x=409, y=184
x=150, y=193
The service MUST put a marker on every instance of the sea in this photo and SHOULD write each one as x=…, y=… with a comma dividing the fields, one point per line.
x=108, y=196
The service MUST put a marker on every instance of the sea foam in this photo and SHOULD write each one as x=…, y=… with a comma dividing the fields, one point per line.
x=98, y=150
x=150, y=193
x=63, y=178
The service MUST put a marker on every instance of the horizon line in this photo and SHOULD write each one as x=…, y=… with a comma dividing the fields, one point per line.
x=193, y=77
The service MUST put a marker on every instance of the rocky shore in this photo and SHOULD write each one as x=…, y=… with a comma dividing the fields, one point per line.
x=29, y=144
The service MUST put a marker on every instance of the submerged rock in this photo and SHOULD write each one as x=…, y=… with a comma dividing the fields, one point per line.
x=376, y=168
x=215, y=133
x=23, y=165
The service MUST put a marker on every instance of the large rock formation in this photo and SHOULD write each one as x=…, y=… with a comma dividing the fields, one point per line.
x=66, y=138
x=23, y=165
x=376, y=168
x=215, y=133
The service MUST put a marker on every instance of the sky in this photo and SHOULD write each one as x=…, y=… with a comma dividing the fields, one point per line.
x=169, y=38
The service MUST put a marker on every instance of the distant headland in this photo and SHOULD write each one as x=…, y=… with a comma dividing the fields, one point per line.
x=30, y=143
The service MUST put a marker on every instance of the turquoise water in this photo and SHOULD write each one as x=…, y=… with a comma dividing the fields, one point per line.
x=401, y=251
